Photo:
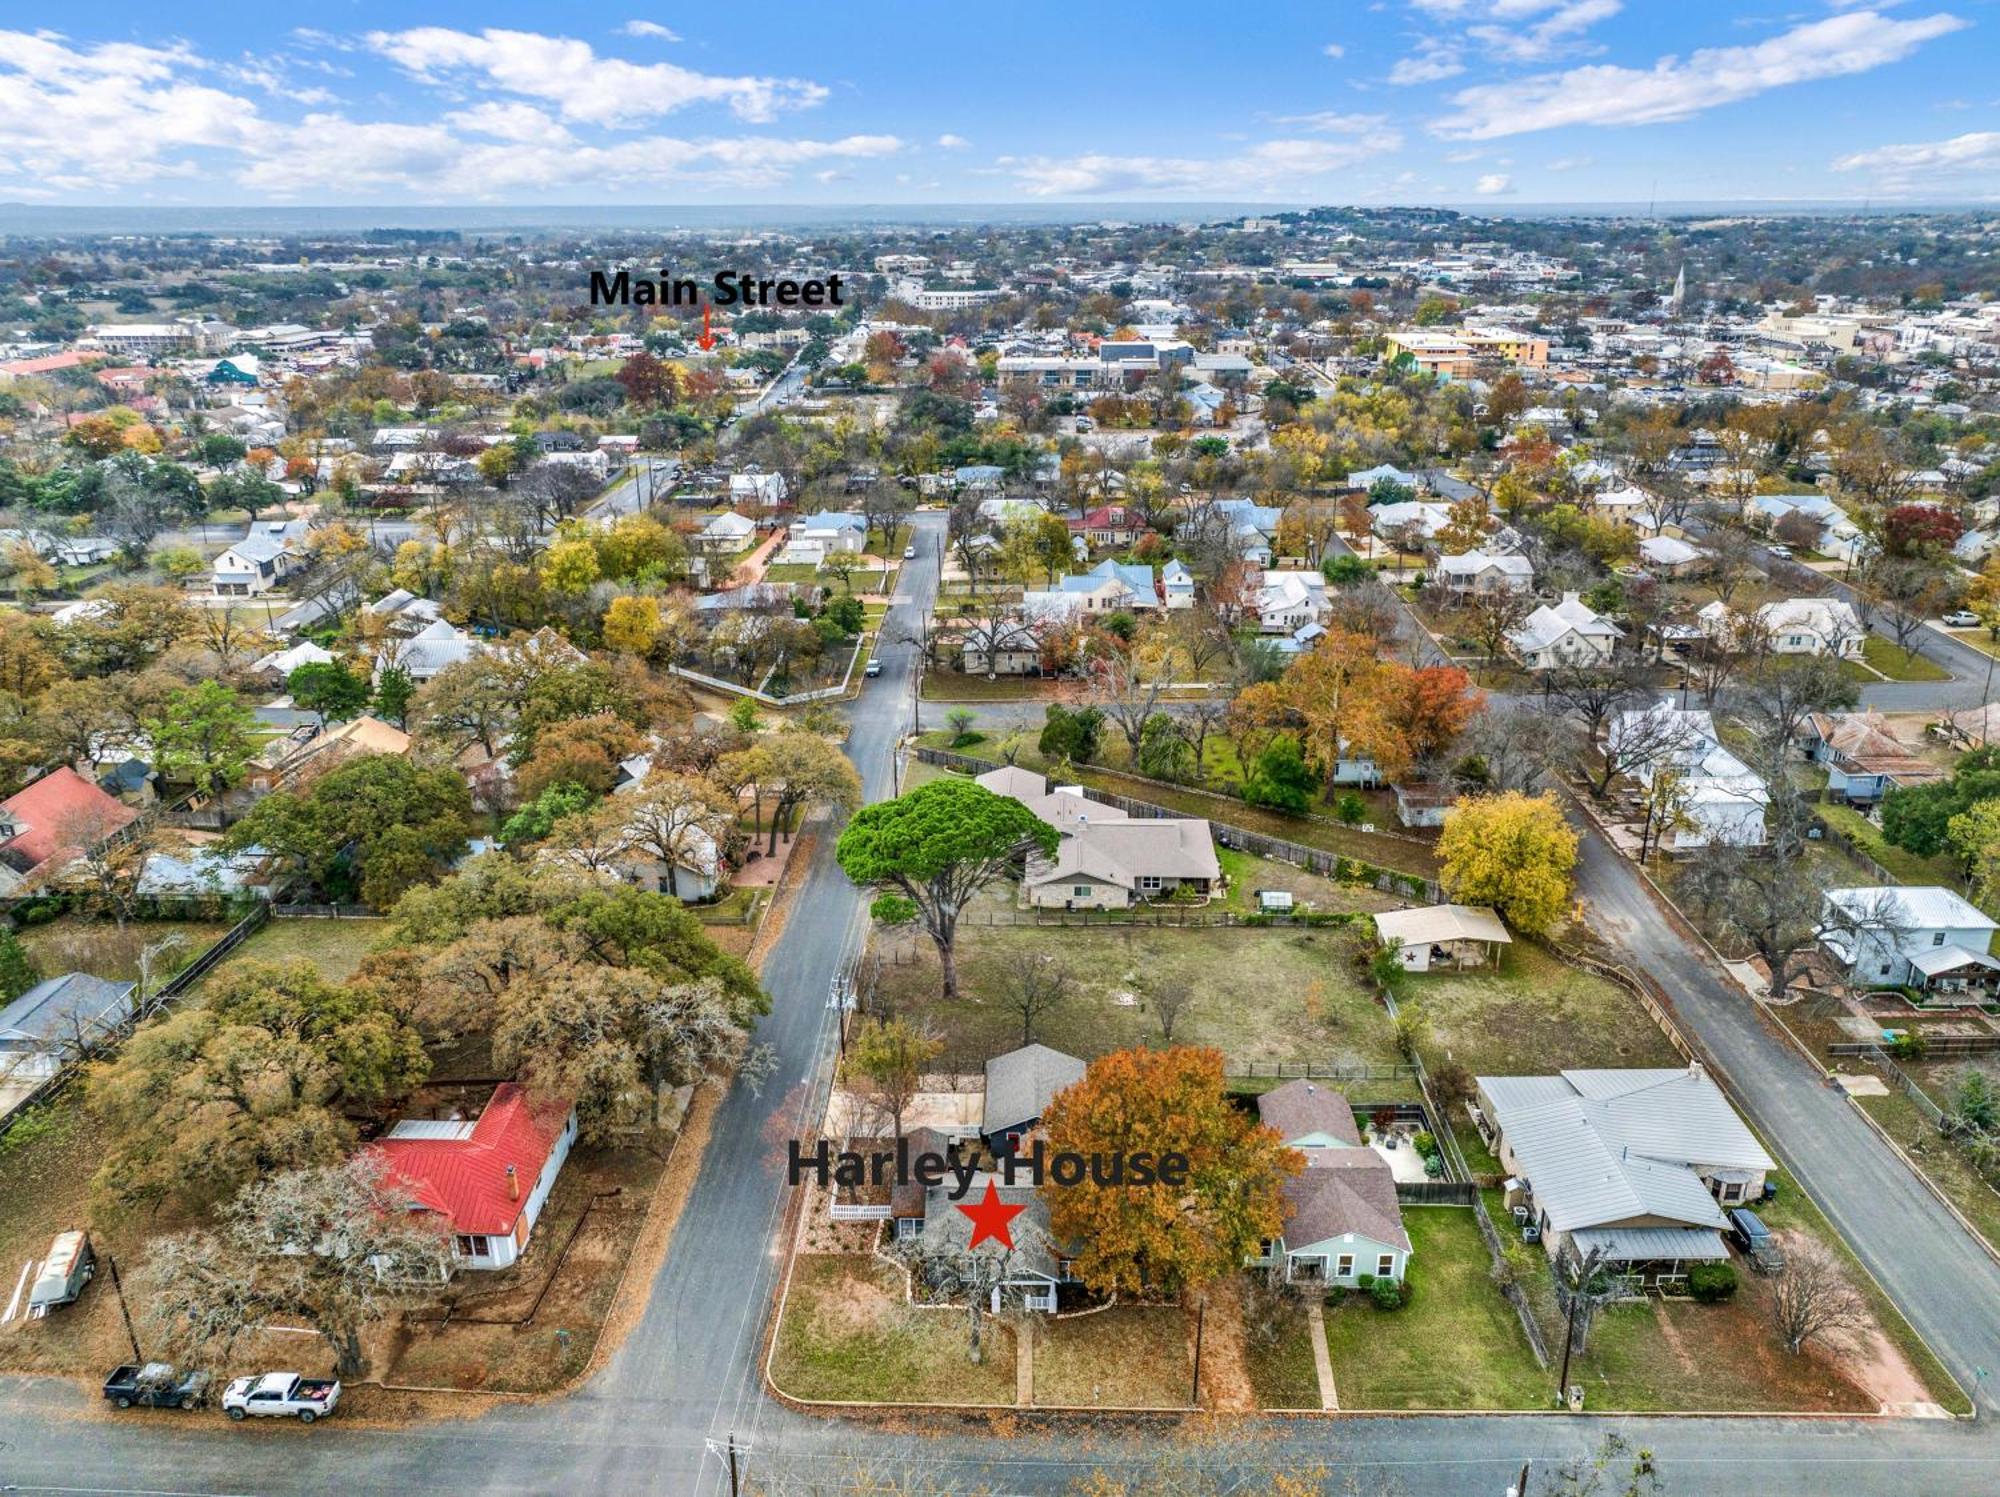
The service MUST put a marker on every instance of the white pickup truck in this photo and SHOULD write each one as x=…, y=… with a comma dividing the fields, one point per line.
x=282, y=1395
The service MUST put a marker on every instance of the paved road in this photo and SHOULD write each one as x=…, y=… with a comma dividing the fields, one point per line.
x=688, y=1371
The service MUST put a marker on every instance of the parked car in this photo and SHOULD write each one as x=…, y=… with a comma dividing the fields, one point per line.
x=68, y=1267
x=1748, y=1232
x=1782, y=553
x=157, y=1385
x=909, y=553
x=873, y=668
x=1962, y=618
x=280, y=1395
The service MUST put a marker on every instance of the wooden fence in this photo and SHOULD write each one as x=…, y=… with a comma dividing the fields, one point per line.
x=1437, y=1193
x=1935, y=1046
x=796, y=699
x=324, y=912
x=1319, y=1070
x=1313, y=859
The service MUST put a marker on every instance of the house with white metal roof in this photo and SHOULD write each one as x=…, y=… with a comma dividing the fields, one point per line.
x=1568, y=633
x=1638, y=1165
x=1926, y=937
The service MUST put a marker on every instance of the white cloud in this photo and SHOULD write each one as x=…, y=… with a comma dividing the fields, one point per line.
x=652, y=29
x=950, y=142
x=1976, y=152
x=1433, y=61
x=1272, y=166
x=1514, y=36
x=1675, y=89
x=75, y=118
x=1493, y=183
x=1333, y=49
x=1570, y=163
x=1332, y=122
x=582, y=85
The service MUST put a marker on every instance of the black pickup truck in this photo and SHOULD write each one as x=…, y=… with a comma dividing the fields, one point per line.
x=156, y=1385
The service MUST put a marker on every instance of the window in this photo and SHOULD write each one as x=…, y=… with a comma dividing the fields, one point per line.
x=1343, y=1266
x=1937, y=938
x=1385, y=1265
x=1083, y=892
x=1263, y=1247
x=1732, y=1192
x=472, y=1246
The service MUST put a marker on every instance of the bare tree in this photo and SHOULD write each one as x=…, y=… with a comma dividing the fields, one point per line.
x=1035, y=989
x=1506, y=749
x=1811, y=1298
x=1170, y=1006
x=1593, y=697
x=1493, y=614
x=947, y=1270
x=1788, y=689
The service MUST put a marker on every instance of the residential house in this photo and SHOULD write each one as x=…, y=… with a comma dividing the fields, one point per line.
x=1421, y=519
x=1424, y=803
x=1288, y=601
x=1922, y=937
x=1366, y=479
x=1443, y=935
x=1474, y=572
x=1567, y=633
x=1717, y=799
x=1108, y=525
x=59, y=818
x=1106, y=860
x=1250, y=528
x=1637, y=1166
x=1863, y=759
x=279, y=664
x=831, y=531
x=756, y=489
x=57, y=1021
x=1019, y=1087
x=484, y=1179
x=402, y=612
x=1113, y=586
x=1177, y=584
x=268, y=553
x=1342, y=1218
x=1012, y=647
x=1839, y=537
x=1813, y=626
x=1629, y=507
x=1032, y=1272
x=295, y=766
x=1668, y=556
x=726, y=533
x=206, y=872
x=425, y=654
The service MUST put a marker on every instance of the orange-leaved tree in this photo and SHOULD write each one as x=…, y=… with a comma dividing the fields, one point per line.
x=1159, y=1237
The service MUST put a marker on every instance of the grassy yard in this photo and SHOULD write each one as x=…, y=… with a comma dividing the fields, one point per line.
x=1129, y=1356
x=1287, y=994
x=109, y=950
x=1456, y=1345
x=334, y=947
x=1884, y=657
x=1533, y=1015
x=848, y=1335
x=1281, y=1369
x=1907, y=866
x=1939, y=1158
x=949, y=686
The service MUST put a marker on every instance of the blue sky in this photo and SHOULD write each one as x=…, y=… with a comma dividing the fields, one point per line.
x=1448, y=101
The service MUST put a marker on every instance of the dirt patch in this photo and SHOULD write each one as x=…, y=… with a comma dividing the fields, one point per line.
x=1225, y=1360
x=1672, y=1336
x=1879, y=1366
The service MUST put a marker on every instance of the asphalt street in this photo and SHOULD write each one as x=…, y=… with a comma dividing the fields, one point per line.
x=688, y=1372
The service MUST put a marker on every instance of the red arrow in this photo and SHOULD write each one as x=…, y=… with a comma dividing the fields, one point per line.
x=707, y=338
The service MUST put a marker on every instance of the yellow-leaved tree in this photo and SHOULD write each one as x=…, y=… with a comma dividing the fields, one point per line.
x=1514, y=852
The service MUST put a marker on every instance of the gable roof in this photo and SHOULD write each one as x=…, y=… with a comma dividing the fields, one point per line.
x=1344, y=1191
x=1605, y=1146
x=1015, y=783
x=1916, y=907
x=1020, y=1083
x=1301, y=1108
x=1441, y=922
x=1572, y=615
x=61, y=801
x=58, y=1007
x=463, y=1175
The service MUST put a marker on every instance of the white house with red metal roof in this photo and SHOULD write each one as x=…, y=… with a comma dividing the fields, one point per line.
x=488, y=1177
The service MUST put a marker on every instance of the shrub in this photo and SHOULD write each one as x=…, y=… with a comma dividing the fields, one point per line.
x=1351, y=809
x=1426, y=1144
x=1387, y=1294
x=1711, y=1283
x=1909, y=1045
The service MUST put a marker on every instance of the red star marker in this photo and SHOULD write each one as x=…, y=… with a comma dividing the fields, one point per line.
x=990, y=1217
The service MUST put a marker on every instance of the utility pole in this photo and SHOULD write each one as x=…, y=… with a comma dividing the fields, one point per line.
x=118, y=1287
x=1200, y=1323
x=733, y=1480
x=1520, y=1487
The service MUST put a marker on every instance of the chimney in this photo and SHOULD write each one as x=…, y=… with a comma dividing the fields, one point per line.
x=513, y=1184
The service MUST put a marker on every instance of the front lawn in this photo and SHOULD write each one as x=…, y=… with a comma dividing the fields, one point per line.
x=848, y=1335
x=1264, y=995
x=1126, y=1357
x=1456, y=1345
x=1281, y=1367
x=1882, y=657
